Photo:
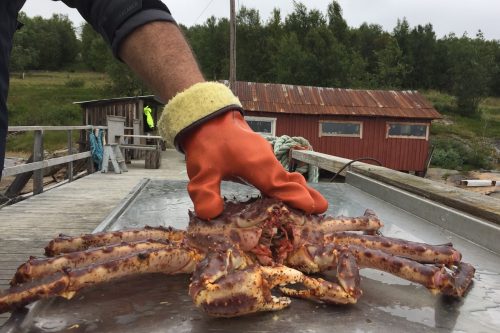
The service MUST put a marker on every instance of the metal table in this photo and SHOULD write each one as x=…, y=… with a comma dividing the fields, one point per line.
x=158, y=303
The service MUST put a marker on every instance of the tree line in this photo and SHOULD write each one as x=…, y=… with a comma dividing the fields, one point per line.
x=306, y=47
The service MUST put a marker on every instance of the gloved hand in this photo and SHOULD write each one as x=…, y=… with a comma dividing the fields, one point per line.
x=224, y=147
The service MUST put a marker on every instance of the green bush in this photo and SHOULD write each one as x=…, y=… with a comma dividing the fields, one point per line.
x=447, y=159
x=460, y=154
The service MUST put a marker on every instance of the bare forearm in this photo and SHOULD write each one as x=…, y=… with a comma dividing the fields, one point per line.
x=160, y=55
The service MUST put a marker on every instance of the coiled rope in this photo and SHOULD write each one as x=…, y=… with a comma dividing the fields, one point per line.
x=282, y=146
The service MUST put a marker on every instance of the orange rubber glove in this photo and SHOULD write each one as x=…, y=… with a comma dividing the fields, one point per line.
x=226, y=148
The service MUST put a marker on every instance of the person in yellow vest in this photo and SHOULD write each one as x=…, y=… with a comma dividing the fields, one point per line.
x=149, y=117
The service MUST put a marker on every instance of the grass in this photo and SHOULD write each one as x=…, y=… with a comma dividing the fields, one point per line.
x=46, y=98
x=469, y=140
x=486, y=124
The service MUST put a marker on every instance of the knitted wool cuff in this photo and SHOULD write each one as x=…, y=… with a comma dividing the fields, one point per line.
x=194, y=106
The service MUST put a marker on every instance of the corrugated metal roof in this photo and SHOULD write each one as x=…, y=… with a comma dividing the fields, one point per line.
x=284, y=98
x=121, y=99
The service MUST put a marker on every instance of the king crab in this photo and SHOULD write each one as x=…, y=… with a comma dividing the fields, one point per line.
x=237, y=259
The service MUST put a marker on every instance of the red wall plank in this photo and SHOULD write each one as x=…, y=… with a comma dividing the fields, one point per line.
x=399, y=154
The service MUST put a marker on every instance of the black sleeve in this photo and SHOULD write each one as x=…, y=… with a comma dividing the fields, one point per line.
x=115, y=19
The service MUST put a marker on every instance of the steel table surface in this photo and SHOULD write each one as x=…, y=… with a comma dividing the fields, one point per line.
x=159, y=303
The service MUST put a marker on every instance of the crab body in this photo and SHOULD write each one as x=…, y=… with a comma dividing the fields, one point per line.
x=237, y=259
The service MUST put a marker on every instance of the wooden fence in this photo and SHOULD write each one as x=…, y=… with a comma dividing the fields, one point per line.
x=39, y=163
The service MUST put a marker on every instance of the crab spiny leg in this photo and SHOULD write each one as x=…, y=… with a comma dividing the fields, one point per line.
x=38, y=267
x=369, y=222
x=66, y=244
x=423, y=253
x=21, y=295
x=436, y=279
x=172, y=260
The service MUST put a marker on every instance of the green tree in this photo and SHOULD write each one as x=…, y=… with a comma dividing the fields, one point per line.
x=273, y=32
x=210, y=43
x=391, y=69
x=367, y=40
x=56, y=42
x=24, y=55
x=291, y=61
x=96, y=54
x=471, y=71
x=423, y=49
x=45, y=44
x=251, y=48
x=123, y=81
x=314, y=48
x=337, y=23
x=495, y=80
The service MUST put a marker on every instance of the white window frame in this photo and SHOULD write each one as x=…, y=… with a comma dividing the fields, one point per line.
x=268, y=119
x=360, y=123
x=425, y=137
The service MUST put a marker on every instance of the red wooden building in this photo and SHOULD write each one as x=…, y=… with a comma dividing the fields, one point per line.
x=390, y=126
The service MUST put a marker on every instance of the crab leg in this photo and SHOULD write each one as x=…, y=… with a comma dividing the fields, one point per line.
x=66, y=244
x=436, y=279
x=36, y=268
x=423, y=253
x=172, y=260
x=369, y=223
x=315, y=258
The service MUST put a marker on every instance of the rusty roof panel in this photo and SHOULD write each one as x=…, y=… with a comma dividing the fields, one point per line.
x=284, y=98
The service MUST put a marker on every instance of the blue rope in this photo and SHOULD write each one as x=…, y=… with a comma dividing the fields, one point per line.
x=96, y=148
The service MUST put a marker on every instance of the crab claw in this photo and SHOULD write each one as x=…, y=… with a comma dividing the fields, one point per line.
x=228, y=283
x=322, y=291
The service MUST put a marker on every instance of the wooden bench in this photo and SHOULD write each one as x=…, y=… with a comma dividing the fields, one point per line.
x=152, y=158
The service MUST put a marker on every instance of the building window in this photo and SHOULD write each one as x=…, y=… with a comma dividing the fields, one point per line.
x=341, y=128
x=262, y=125
x=408, y=130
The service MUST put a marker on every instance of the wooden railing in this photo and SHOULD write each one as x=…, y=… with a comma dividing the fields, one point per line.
x=38, y=162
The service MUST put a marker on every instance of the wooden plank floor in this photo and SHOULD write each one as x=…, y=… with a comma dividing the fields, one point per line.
x=73, y=208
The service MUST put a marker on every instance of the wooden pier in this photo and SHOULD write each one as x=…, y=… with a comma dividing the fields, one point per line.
x=73, y=208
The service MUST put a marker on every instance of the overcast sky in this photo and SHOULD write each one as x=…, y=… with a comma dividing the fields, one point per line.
x=446, y=16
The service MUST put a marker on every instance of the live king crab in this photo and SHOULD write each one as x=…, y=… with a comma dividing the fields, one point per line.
x=240, y=259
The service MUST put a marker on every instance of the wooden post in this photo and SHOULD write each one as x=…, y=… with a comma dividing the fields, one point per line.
x=152, y=159
x=38, y=156
x=136, y=125
x=90, y=163
x=232, y=45
x=19, y=182
x=70, y=152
